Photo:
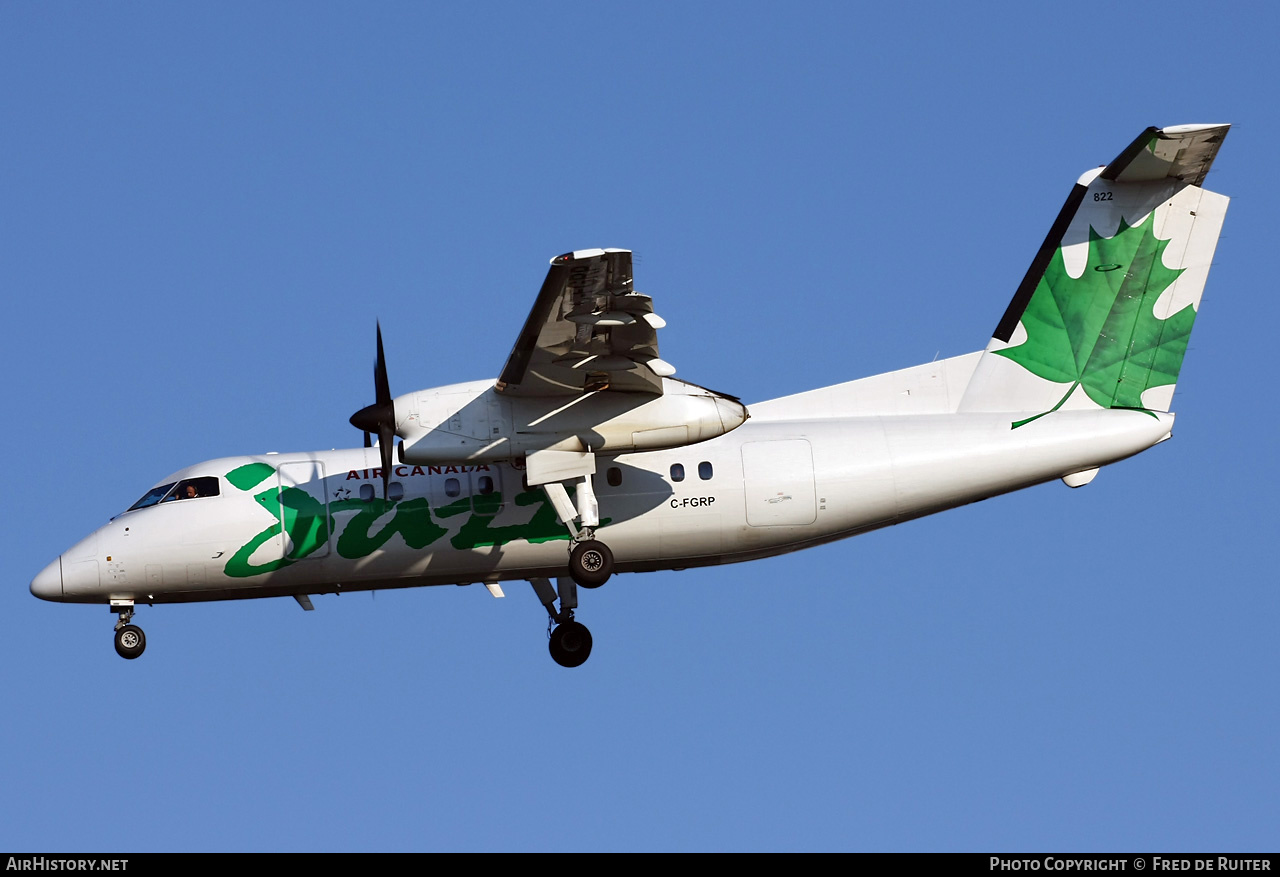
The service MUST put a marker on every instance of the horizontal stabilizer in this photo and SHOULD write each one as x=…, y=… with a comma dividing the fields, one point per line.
x=1181, y=152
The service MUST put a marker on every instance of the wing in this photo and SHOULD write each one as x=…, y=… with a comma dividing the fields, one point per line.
x=589, y=330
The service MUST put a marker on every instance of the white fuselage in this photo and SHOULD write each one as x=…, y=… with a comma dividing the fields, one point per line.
x=316, y=522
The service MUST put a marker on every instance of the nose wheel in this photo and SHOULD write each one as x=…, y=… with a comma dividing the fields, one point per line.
x=130, y=640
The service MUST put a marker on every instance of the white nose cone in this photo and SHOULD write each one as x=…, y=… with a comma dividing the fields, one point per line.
x=47, y=585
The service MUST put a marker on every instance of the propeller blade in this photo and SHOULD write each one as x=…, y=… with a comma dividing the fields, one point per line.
x=386, y=443
x=380, y=417
x=382, y=389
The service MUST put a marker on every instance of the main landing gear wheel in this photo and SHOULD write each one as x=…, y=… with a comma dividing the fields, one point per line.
x=132, y=642
x=591, y=563
x=570, y=644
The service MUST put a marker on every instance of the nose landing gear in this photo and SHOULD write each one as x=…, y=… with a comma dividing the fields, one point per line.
x=130, y=640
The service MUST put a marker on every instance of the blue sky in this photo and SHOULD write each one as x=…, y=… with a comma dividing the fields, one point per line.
x=203, y=212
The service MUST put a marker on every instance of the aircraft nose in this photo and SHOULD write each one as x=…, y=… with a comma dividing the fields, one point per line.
x=47, y=585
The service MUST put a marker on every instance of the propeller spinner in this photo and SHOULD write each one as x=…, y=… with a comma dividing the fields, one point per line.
x=380, y=417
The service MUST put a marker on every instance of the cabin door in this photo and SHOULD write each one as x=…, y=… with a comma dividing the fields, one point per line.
x=304, y=509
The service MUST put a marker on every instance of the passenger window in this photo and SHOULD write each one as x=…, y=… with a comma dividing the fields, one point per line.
x=487, y=499
x=677, y=472
x=452, y=487
x=366, y=493
x=704, y=471
x=614, y=476
x=395, y=491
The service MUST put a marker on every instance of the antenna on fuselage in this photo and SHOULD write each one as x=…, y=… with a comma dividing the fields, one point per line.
x=380, y=417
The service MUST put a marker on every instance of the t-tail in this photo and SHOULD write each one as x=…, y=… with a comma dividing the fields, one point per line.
x=1105, y=311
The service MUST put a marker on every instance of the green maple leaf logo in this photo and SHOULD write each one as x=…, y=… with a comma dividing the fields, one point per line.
x=1099, y=330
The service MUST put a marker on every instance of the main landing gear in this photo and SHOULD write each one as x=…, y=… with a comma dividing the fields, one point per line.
x=590, y=560
x=569, y=641
x=590, y=566
x=130, y=640
x=570, y=644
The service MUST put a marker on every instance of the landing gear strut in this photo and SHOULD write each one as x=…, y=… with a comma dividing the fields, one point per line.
x=569, y=640
x=130, y=640
x=590, y=560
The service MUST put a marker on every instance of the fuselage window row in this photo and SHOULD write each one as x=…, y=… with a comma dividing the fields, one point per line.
x=705, y=471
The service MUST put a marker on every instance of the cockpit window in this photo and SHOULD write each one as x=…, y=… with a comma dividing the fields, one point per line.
x=188, y=488
x=194, y=488
x=154, y=495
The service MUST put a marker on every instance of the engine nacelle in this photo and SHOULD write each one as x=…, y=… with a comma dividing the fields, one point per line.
x=473, y=423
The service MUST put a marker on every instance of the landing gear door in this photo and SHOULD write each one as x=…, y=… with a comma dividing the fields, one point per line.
x=778, y=481
x=304, y=509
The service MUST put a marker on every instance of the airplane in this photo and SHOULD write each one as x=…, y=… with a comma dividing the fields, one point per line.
x=586, y=457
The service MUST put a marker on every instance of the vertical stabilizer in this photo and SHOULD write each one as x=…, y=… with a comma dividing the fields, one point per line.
x=1105, y=311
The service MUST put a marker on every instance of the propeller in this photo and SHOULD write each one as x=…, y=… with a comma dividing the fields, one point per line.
x=380, y=417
